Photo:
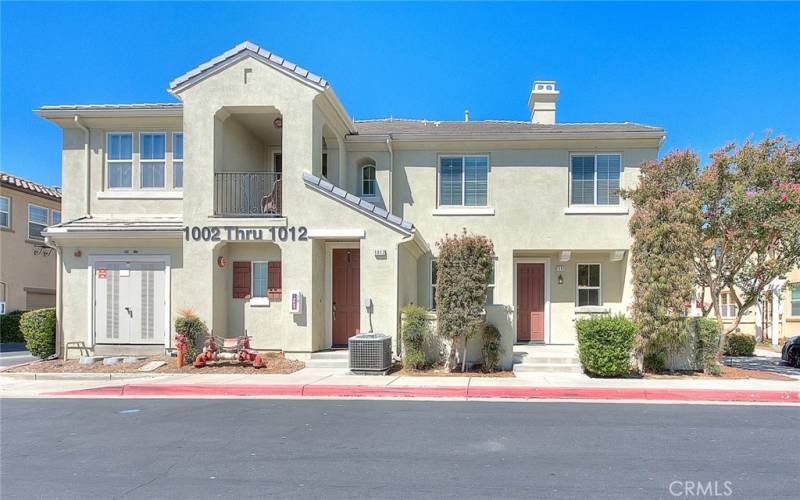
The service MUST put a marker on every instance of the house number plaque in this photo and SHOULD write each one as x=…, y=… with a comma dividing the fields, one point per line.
x=236, y=233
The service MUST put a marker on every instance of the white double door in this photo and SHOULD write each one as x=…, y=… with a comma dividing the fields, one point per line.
x=129, y=302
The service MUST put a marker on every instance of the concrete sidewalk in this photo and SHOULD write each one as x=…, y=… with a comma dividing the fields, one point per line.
x=324, y=382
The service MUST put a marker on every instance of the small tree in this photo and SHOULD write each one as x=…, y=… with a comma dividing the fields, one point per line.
x=463, y=273
x=742, y=215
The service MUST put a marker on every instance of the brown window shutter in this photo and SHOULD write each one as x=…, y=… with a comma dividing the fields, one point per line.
x=241, y=280
x=274, y=280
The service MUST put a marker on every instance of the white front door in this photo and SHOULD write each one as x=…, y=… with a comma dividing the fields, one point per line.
x=129, y=302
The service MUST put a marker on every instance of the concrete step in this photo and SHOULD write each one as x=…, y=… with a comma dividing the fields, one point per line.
x=329, y=359
x=556, y=360
x=548, y=368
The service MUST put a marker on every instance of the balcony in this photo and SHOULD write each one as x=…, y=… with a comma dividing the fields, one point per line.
x=247, y=194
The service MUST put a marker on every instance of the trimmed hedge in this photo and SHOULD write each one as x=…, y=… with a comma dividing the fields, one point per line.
x=706, y=344
x=39, y=329
x=491, y=348
x=9, y=327
x=739, y=344
x=605, y=345
x=416, y=330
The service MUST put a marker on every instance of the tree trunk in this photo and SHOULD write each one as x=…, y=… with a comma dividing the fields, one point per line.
x=451, y=355
x=464, y=355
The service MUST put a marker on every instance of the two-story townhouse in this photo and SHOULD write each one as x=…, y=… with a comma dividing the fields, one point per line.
x=258, y=202
x=27, y=264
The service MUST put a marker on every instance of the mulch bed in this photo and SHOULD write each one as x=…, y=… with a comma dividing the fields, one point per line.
x=728, y=372
x=441, y=372
x=275, y=361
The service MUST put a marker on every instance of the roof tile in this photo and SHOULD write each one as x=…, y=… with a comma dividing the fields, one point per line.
x=30, y=186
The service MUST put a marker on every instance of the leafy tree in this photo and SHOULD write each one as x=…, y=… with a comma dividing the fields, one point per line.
x=734, y=225
x=463, y=273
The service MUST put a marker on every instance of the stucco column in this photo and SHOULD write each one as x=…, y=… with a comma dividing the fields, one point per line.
x=776, y=305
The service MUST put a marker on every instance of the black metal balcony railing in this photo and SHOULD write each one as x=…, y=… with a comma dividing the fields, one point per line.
x=247, y=194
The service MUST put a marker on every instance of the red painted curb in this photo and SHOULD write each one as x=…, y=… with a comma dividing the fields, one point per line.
x=610, y=394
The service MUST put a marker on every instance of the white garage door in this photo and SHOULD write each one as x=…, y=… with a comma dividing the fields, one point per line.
x=129, y=302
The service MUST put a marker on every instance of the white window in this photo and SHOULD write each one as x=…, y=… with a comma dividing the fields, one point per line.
x=434, y=271
x=727, y=306
x=463, y=181
x=595, y=179
x=589, y=285
x=491, y=287
x=55, y=217
x=795, y=287
x=37, y=221
x=369, y=184
x=177, y=160
x=5, y=212
x=259, y=285
x=152, y=153
x=119, y=160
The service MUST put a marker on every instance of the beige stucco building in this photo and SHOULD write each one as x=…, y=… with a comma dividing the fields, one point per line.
x=258, y=202
x=27, y=264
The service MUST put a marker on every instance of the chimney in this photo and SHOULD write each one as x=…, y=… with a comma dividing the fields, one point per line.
x=466, y=115
x=543, y=102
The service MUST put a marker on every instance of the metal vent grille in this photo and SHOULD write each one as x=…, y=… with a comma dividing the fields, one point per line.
x=370, y=352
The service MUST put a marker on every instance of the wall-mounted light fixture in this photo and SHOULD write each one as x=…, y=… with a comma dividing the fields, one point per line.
x=560, y=279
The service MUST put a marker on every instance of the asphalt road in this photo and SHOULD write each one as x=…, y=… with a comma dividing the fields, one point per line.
x=113, y=448
x=14, y=354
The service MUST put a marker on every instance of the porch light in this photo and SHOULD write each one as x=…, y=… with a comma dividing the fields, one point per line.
x=560, y=279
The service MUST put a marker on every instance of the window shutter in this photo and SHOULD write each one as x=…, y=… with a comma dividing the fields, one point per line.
x=241, y=280
x=274, y=280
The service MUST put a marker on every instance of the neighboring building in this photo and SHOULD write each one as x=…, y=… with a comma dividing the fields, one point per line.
x=27, y=264
x=258, y=188
x=775, y=316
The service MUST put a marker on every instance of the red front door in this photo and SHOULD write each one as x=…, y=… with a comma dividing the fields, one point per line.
x=345, y=308
x=530, y=302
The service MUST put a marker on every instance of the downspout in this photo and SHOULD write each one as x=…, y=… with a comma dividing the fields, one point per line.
x=59, y=295
x=87, y=161
x=391, y=172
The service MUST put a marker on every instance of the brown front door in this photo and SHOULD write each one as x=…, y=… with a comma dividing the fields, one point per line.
x=345, y=308
x=530, y=302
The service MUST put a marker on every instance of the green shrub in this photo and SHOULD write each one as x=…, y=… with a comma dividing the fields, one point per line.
x=706, y=344
x=415, y=333
x=655, y=362
x=491, y=349
x=39, y=329
x=194, y=329
x=9, y=327
x=605, y=344
x=739, y=344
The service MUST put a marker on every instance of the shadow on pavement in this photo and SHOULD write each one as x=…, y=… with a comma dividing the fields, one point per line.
x=762, y=363
x=13, y=347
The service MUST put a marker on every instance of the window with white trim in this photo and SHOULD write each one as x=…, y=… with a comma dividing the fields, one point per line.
x=177, y=160
x=795, y=299
x=589, y=284
x=119, y=160
x=152, y=157
x=369, y=184
x=490, y=288
x=55, y=217
x=37, y=222
x=5, y=212
x=727, y=306
x=259, y=282
x=595, y=179
x=434, y=271
x=463, y=181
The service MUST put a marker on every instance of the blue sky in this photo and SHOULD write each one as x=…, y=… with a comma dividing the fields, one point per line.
x=707, y=73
